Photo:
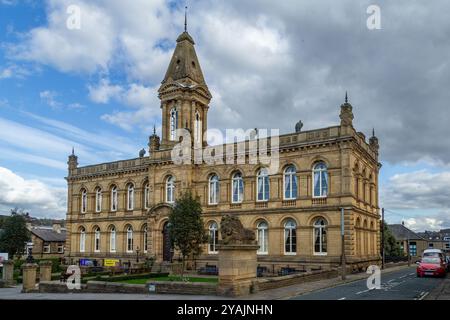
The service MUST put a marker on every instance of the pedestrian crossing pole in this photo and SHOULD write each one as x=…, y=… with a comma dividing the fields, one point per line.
x=344, y=263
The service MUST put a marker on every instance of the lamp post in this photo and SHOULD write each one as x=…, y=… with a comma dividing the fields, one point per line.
x=30, y=258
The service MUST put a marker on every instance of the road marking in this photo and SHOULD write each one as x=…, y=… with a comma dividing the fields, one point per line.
x=363, y=291
x=342, y=298
x=423, y=295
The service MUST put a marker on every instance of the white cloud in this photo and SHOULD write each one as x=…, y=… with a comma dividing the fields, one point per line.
x=34, y=196
x=420, y=224
x=417, y=190
x=49, y=97
x=104, y=92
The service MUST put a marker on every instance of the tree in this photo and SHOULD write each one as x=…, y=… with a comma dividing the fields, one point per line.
x=186, y=230
x=15, y=235
x=391, y=247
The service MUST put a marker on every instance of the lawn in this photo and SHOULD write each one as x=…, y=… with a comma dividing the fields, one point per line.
x=169, y=278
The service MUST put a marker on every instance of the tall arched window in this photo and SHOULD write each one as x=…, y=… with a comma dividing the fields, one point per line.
x=170, y=189
x=290, y=237
x=145, y=246
x=238, y=188
x=214, y=189
x=213, y=238
x=112, y=240
x=98, y=200
x=146, y=195
x=262, y=181
x=320, y=178
x=198, y=128
x=114, y=198
x=290, y=183
x=83, y=201
x=129, y=239
x=173, y=124
x=263, y=237
x=320, y=237
x=82, y=240
x=130, y=197
x=97, y=240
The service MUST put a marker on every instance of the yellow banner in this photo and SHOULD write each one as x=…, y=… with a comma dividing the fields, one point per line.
x=111, y=262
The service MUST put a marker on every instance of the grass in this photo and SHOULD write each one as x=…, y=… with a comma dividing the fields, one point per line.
x=169, y=278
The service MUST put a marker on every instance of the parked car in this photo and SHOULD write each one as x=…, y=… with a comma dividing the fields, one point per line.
x=434, y=253
x=431, y=266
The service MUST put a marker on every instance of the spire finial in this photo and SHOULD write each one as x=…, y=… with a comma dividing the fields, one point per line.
x=73, y=151
x=346, y=97
x=154, y=130
x=373, y=132
x=185, y=19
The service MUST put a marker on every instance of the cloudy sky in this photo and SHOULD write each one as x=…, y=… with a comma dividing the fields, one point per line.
x=268, y=64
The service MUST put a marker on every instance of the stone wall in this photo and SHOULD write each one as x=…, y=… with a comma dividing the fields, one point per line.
x=284, y=281
x=175, y=287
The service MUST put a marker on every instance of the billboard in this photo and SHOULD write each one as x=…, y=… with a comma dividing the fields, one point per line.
x=111, y=262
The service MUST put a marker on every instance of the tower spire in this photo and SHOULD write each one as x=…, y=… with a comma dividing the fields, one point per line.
x=346, y=97
x=185, y=19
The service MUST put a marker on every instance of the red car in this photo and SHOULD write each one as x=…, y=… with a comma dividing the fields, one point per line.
x=431, y=266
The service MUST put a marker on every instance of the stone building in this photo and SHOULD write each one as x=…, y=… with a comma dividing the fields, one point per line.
x=48, y=242
x=119, y=210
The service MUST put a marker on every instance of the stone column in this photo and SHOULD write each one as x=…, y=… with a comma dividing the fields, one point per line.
x=29, y=277
x=237, y=269
x=45, y=271
x=8, y=272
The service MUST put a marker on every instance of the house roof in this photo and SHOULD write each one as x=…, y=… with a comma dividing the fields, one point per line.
x=49, y=235
x=400, y=232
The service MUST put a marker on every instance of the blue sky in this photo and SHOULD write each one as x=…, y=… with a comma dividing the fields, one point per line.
x=94, y=89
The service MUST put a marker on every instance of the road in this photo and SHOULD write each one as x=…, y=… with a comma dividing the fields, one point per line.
x=396, y=285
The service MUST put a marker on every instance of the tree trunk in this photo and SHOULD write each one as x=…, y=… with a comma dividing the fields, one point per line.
x=183, y=261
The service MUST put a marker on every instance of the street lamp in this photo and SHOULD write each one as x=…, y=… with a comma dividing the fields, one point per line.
x=30, y=258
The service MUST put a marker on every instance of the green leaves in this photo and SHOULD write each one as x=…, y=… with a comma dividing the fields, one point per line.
x=15, y=235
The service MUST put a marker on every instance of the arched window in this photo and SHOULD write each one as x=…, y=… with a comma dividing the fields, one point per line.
x=290, y=183
x=238, y=188
x=112, y=240
x=97, y=240
x=198, y=128
x=83, y=201
x=320, y=178
x=145, y=246
x=130, y=197
x=98, y=200
x=114, y=198
x=146, y=195
x=262, y=181
x=320, y=237
x=129, y=239
x=213, y=238
x=173, y=124
x=290, y=237
x=170, y=189
x=214, y=189
x=263, y=239
x=82, y=240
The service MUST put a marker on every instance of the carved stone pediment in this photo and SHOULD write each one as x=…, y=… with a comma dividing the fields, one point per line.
x=159, y=210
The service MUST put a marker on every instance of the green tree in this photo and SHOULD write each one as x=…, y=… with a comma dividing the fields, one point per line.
x=15, y=235
x=187, y=233
x=391, y=247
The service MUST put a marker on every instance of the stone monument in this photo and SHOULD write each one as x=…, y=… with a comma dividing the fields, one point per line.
x=237, y=258
x=8, y=272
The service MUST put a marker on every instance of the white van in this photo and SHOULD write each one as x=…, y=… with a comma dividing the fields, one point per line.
x=429, y=253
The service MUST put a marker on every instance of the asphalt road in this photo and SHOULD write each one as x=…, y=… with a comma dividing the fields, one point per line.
x=396, y=285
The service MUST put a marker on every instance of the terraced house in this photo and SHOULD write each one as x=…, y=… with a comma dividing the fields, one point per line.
x=120, y=209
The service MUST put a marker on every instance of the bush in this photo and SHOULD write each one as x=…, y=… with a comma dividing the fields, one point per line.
x=132, y=276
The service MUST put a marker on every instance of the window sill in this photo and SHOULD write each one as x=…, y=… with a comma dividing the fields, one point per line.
x=320, y=254
x=290, y=253
x=262, y=253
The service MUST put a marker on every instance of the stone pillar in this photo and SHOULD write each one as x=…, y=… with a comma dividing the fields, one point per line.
x=45, y=271
x=237, y=269
x=29, y=277
x=8, y=272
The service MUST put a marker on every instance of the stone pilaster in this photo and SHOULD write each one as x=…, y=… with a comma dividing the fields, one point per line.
x=29, y=277
x=8, y=272
x=45, y=271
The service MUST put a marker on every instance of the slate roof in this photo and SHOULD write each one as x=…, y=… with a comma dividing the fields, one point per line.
x=400, y=232
x=49, y=235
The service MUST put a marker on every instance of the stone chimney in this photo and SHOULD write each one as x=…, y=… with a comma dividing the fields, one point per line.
x=56, y=227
